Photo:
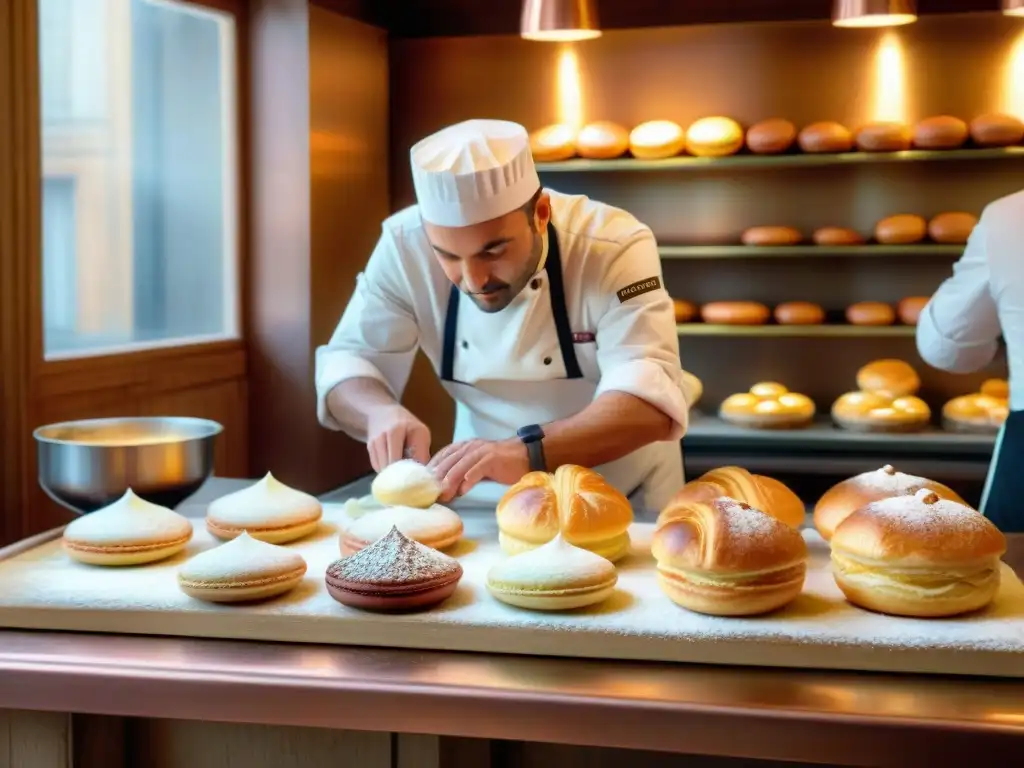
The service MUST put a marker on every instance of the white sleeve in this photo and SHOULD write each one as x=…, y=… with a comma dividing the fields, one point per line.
x=958, y=329
x=377, y=337
x=637, y=343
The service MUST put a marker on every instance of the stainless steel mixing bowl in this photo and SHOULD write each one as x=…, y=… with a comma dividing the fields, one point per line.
x=86, y=465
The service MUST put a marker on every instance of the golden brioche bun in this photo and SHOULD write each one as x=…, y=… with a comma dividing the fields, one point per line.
x=602, y=140
x=771, y=235
x=714, y=137
x=657, y=139
x=901, y=229
x=940, y=132
x=882, y=137
x=995, y=388
x=870, y=313
x=553, y=143
x=825, y=137
x=685, y=311
x=910, y=308
x=919, y=555
x=983, y=411
x=774, y=498
x=952, y=228
x=846, y=497
x=837, y=236
x=726, y=558
x=574, y=501
x=888, y=376
x=799, y=313
x=767, y=406
x=735, y=313
x=771, y=137
x=996, y=130
x=878, y=412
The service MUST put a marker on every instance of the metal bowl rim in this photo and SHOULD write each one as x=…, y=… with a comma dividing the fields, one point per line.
x=212, y=428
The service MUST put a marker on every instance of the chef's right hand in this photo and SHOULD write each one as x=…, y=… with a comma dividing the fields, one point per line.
x=393, y=433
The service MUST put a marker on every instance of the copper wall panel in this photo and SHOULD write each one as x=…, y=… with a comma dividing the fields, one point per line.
x=804, y=71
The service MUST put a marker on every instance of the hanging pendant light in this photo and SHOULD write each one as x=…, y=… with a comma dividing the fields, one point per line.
x=873, y=13
x=562, y=21
x=1013, y=7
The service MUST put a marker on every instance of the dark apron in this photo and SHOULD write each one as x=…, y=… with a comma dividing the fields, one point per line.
x=1002, y=502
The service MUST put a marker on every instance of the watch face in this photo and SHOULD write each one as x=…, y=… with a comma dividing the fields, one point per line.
x=530, y=433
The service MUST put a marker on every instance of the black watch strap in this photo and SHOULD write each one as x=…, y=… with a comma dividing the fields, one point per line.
x=533, y=438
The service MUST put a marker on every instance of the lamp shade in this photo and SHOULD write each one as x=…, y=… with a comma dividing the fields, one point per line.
x=873, y=13
x=1013, y=7
x=559, y=20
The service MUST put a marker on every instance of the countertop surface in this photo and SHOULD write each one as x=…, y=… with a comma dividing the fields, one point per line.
x=841, y=718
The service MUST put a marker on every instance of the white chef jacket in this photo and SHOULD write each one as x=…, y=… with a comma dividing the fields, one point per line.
x=401, y=298
x=959, y=328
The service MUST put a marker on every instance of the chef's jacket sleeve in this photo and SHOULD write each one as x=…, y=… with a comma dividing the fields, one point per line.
x=377, y=337
x=637, y=343
x=958, y=329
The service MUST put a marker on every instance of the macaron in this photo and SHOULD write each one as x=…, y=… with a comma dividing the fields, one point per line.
x=241, y=570
x=393, y=573
x=268, y=510
x=436, y=526
x=556, y=576
x=131, y=531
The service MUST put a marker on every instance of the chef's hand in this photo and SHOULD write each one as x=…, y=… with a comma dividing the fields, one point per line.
x=460, y=466
x=393, y=433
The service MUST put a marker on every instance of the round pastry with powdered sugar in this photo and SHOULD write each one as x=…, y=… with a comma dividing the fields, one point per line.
x=919, y=555
x=406, y=483
x=851, y=494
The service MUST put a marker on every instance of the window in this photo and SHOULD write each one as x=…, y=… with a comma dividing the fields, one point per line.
x=140, y=225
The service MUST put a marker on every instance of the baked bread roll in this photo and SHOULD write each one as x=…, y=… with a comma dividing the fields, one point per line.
x=888, y=376
x=919, y=556
x=909, y=309
x=952, y=228
x=846, y=497
x=574, y=501
x=735, y=313
x=940, y=132
x=726, y=558
x=657, y=139
x=799, y=313
x=764, y=493
x=771, y=235
x=883, y=137
x=983, y=411
x=877, y=412
x=767, y=406
x=901, y=229
x=714, y=137
x=837, y=236
x=553, y=143
x=996, y=130
x=685, y=310
x=825, y=137
x=602, y=140
x=406, y=483
x=870, y=313
x=771, y=137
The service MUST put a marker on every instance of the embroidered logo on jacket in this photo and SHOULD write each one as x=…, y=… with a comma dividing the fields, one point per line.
x=638, y=288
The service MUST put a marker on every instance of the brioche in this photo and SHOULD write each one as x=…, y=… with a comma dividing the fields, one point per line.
x=602, y=140
x=657, y=139
x=837, y=236
x=870, y=313
x=825, y=137
x=714, y=137
x=996, y=130
x=771, y=137
x=685, y=311
x=771, y=235
x=888, y=376
x=843, y=498
x=768, y=406
x=799, y=313
x=920, y=556
x=878, y=412
x=726, y=558
x=883, y=137
x=575, y=502
x=983, y=411
x=735, y=313
x=940, y=132
x=553, y=143
x=764, y=493
x=901, y=229
x=952, y=228
x=910, y=308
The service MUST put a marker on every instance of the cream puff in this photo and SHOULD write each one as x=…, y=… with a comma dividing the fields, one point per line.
x=437, y=527
x=268, y=510
x=406, y=483
x=241, y=570
x=918, y=556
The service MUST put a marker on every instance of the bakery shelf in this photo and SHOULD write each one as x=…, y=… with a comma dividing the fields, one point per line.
x=809, y=251
x=795, y=331
x=688, y=163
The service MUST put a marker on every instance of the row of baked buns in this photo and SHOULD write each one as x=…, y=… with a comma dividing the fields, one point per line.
x=873, y=313
x=885, y=401
x=720, y=136
x=728, y=544
x=949, y=228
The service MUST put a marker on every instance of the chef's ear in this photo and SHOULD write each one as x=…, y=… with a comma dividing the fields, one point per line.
x=542, y=211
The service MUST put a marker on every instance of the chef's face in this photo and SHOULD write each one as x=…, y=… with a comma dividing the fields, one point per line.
x=492, y=262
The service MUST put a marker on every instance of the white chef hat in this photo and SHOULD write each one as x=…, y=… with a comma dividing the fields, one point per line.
x=473, y=171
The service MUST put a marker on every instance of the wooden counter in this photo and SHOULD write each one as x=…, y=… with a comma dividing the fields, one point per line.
x=189, y=701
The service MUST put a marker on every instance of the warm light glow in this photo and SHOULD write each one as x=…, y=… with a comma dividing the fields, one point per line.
x=889, y=97
x=1013, y=7
x=569, y=89
x=876, y=20
x=1012, y=92
x=562, y=35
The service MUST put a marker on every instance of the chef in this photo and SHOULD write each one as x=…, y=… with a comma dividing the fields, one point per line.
x=544, y=315
x=959, y=331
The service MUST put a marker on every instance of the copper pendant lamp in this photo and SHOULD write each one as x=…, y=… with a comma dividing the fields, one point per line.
x=873, y=13
x=559, y=20
x=1013, y=7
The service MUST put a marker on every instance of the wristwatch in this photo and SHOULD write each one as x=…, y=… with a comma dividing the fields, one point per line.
x=533, y=437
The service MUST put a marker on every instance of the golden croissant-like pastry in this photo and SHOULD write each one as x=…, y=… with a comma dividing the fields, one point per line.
x=574, y=501
x=760, y=492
